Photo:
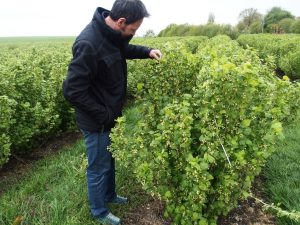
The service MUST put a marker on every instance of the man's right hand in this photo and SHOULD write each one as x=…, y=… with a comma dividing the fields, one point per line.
x=155, y=54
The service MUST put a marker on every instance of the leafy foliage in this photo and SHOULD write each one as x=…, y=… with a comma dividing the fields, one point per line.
x=209, y=30
x=206, y=124
x=32, y=106
x=248, y=17
x=295, y=28
x=283, y=48
x=286, y=24
x=205, y=119
x=275, y=15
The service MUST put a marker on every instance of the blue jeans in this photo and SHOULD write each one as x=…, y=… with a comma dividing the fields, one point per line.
x=100, y=172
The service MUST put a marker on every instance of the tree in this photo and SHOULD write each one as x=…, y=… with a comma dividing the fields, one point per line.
x=241, y=27
x=183, y=30
x=149, y=33
x=211, y=18
x=295, y=28
x=256, y=27
x=274, y=16
x=168, y=31
x=248, y=17
x=286, y=24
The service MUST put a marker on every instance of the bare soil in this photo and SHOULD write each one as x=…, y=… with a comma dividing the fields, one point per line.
x=248, y=212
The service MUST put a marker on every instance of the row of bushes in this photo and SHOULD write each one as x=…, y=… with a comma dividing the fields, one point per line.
x=32, y=107
x=31, y=103
x=203, y=126
x=285, y=50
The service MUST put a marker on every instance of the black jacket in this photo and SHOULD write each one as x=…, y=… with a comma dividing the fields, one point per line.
x=97, y=75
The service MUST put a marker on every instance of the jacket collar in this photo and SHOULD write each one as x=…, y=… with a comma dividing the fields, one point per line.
x=114, y=35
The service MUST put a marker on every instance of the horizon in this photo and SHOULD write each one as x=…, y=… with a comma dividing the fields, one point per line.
x=34, y=18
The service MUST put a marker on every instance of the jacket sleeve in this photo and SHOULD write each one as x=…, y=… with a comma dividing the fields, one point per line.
x=77, y=84
x=137, y=52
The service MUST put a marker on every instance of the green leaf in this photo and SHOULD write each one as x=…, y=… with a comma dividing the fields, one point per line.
x=246, y=123
x=139, y=86
x=277, y=127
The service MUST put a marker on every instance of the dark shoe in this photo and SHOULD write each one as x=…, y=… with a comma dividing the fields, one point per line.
x=110, y=219
x=118, y=200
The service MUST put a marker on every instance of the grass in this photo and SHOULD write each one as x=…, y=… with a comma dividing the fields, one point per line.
x=283, y=173
x=54, y=192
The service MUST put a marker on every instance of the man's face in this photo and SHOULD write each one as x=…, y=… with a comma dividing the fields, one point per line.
x=128, y=30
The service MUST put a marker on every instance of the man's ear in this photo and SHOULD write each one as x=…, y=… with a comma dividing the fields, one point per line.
x=121, y=22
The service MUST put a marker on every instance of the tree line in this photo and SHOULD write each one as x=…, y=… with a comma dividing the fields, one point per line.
x=276, y=20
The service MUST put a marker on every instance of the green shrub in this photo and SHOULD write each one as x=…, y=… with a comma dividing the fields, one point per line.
x=286, y=24
x=290, y=64
x=32, y=105
x=205, y=130
x=295, y=28
x=283, y=48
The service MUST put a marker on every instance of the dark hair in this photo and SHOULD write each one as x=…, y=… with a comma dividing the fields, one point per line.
x=131, y=10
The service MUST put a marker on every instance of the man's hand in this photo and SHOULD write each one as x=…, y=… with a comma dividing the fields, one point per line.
x=155, y=54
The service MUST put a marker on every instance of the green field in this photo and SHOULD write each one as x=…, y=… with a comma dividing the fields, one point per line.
x=201, y=125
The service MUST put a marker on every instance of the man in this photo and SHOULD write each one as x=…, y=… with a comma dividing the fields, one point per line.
x=96, y=87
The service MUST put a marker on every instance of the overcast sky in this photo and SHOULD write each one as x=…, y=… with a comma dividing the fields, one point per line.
x=69, y=17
